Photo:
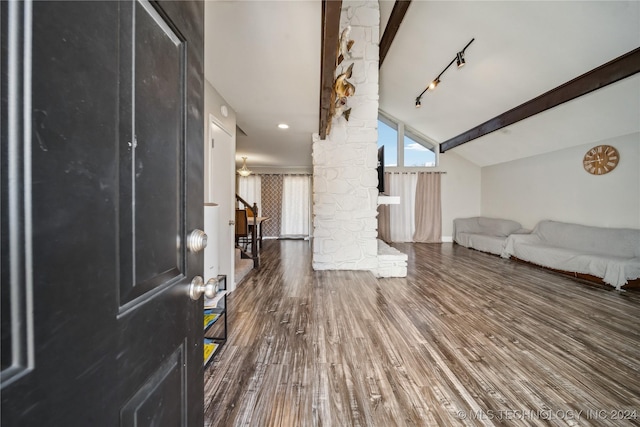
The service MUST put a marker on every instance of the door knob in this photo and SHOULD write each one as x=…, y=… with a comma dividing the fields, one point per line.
x=198, y=287
x=196, y=241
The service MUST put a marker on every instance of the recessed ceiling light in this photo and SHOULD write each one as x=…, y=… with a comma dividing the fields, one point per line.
x=283, y=126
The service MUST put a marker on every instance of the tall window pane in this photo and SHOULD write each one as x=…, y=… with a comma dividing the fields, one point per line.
x=416, y=154
x=388, y=136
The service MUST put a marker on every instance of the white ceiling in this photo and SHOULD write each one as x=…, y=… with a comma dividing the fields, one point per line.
x=264, y=58
x=607, y=113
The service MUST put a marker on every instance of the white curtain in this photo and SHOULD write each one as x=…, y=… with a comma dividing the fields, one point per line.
x=250, y=189
x=402, y=216
x=295, y=205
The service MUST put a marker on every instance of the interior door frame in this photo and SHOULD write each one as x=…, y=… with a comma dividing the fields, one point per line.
x=225, y=227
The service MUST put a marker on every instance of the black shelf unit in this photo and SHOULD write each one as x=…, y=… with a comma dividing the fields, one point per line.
x=215, y=321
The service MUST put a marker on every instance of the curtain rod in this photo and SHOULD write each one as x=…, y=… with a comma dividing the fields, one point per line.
x=434, y=172
x=283, y=174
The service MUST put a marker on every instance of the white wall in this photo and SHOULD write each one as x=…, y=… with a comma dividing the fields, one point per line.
x=460, y=190
x=555, y=186
x=219, y=177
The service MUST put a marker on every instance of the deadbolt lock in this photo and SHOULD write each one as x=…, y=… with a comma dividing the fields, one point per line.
x=196, y=241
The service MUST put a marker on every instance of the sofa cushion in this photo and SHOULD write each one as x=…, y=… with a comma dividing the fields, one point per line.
x=482, y=242
x=614, y=270
x=484, y=234
x=498, y=227
x=620, y=242
x=483, y=225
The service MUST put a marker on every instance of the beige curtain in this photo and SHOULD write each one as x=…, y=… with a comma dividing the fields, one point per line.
x=384, y=216
x=428, y=209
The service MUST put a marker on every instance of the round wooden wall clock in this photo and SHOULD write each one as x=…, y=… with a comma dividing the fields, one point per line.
x=601, y=159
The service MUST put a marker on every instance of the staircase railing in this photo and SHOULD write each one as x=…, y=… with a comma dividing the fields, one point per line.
x=254, y=230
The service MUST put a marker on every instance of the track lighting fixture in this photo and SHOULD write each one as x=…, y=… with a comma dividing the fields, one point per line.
x=459, y=60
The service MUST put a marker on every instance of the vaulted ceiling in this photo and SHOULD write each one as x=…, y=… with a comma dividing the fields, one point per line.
x=264, y=59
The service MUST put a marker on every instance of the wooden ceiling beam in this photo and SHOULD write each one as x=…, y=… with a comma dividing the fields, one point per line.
x=397, y=15
x=620, y=68
x=330, y=39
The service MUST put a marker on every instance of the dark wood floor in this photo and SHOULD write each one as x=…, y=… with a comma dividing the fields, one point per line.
x=464, y=333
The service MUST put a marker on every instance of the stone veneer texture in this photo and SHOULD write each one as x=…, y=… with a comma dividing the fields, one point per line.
x=345, y=179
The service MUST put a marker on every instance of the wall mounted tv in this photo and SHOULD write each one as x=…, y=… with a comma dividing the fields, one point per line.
x=381, y=169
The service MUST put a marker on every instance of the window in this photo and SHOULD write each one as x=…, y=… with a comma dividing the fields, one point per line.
x=416, y=154
x=414, y=150
x=388, y=136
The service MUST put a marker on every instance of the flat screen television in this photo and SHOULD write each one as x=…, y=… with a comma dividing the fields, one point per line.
x=381, y=169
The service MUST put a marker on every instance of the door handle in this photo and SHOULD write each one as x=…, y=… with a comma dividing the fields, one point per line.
x=198, y=287
x=232, y=222
x=196, y=241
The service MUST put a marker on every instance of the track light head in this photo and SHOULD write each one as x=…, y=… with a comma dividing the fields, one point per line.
x=460, y=59
x=434, y=83
x=418, y=103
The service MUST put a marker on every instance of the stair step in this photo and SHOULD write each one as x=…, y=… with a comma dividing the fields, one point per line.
x=243, y=265
x=242, y=268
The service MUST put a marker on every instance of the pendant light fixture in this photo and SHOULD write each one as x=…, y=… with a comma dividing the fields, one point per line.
x=459, y=60
x=244, y=171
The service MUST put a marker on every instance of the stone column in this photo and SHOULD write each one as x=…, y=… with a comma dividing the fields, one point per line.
x=345, y=181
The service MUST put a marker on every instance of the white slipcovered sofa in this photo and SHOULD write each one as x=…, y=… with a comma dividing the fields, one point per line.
x=484, y=234
x=612, y=254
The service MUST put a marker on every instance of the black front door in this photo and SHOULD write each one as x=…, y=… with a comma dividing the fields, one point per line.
x=102, y=139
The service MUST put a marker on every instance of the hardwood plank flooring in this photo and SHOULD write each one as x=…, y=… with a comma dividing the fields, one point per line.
x=465, y=335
